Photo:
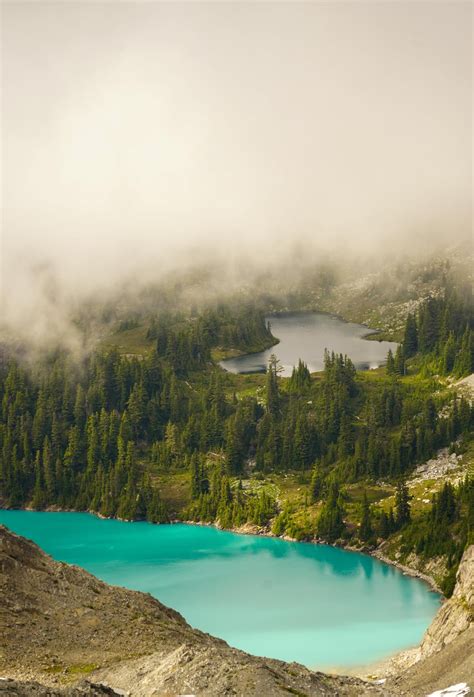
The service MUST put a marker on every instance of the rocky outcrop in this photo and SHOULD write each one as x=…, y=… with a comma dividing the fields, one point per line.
x=59, y=624
x=447, y=466
x=14, y=688
x=456, y=615
x=222, y=671
x=446, y=654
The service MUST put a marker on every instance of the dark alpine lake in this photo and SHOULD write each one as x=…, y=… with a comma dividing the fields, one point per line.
x=305, y=335
x=318, y=605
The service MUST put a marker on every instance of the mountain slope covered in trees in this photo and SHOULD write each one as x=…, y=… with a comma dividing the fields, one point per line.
x=169, y=435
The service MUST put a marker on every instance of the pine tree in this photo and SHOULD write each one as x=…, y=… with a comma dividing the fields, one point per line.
x=410, y=339
x=197, y=479
x=39, y=498
x=272, y=391
x=402, y=504
x=384, y=527
x=400, y=368
x=316, y=485
x=300, y=377
x=366, y=531
x=390, y=363
x=464, y=363
x=449, y=354
x=429, y=325
x=136, y=409
x=48, y=469
x=156, y=509
x=331, y=523
x=301, y=452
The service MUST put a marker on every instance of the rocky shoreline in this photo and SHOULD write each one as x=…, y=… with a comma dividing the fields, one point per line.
x=408, y=570
x=252, y=529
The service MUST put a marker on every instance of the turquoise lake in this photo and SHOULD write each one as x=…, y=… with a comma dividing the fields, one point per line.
x=315, y=604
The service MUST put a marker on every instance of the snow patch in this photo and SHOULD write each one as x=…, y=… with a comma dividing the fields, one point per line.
x=459, y=690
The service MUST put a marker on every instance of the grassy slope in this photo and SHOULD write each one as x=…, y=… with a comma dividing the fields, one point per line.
x=130, y=342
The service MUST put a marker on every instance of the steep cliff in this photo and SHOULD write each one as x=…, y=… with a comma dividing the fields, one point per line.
x=446, y=654
x=456, y=616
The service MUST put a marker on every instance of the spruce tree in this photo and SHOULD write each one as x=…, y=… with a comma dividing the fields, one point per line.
x=272, y=391
x=365, y=530
x=410, y=338
x=402, y=504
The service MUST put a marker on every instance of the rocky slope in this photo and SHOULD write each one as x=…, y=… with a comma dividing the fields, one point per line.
x=58, y=624
x=446, y=654
x=456, y=616
x=16, y=688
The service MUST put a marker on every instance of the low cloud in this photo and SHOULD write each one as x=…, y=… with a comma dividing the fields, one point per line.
x=143, y=138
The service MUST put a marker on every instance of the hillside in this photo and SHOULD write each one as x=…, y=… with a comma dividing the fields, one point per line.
x=345, y=456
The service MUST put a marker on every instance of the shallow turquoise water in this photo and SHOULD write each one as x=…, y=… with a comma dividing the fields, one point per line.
x=315, y=604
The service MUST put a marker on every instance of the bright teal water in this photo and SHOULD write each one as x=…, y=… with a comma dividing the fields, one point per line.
x=314, y=604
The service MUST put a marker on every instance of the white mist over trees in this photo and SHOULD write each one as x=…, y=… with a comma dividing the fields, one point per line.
x=142, y=137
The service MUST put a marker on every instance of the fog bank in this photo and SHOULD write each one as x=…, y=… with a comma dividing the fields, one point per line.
x=138, y=138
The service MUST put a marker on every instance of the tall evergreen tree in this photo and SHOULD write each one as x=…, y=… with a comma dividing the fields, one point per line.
x=410, y=338
x=365, y=531
x=402, y=504
x=272, y=390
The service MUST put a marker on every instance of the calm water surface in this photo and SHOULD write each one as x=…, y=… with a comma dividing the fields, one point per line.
x=315, y=604
x=305, y=335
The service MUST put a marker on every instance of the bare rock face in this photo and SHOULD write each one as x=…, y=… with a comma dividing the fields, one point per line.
x=59, y=624
x=446, y=654
x=456, y=615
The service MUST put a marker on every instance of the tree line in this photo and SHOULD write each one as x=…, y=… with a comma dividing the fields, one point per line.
x=442, y=329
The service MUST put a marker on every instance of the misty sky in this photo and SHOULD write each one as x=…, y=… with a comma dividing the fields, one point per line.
x=134, y=131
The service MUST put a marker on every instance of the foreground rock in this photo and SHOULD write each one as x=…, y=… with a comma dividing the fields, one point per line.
x=59, y=624
x=15, y=688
